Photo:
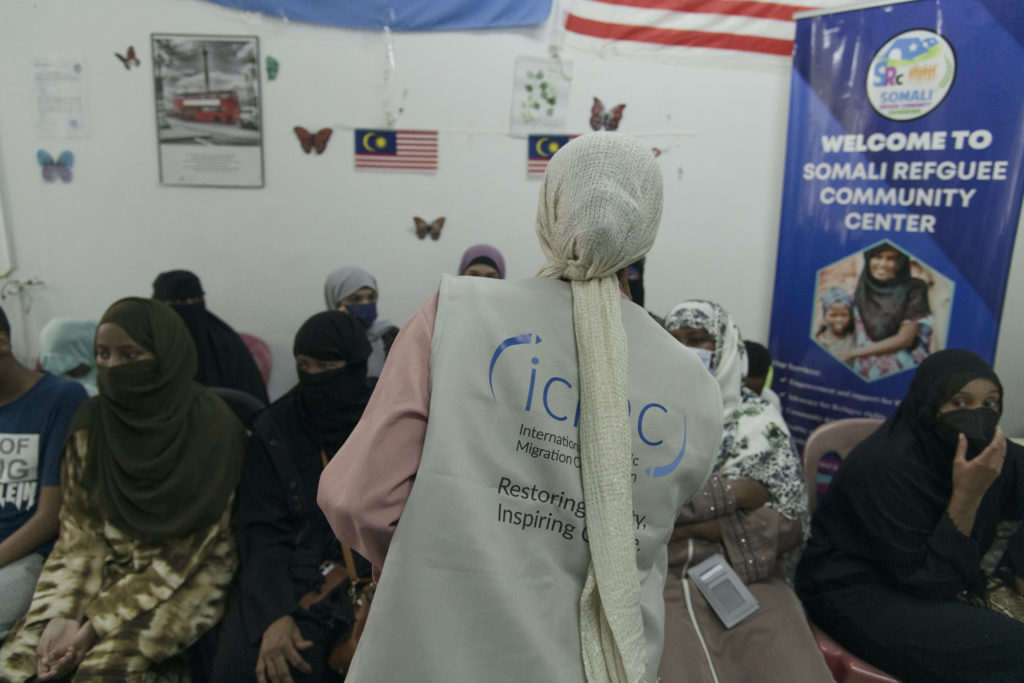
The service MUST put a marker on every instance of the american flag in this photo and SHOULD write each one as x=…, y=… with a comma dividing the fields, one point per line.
x=684, y=28
x=541, y=149
x=406, y=150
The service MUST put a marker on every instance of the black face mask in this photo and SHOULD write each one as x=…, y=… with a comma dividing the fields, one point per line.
x=131, y=385
x=333, y=390
x=333, y=401
x=978, y=425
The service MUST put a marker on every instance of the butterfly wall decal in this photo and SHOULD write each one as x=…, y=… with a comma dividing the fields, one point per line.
x=129, y=59
x=608, y=120
x=311, y=141
x=424, y=228
x=56, y=168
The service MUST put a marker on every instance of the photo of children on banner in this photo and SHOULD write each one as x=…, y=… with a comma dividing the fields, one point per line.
x=836, y=332
x=881, y=311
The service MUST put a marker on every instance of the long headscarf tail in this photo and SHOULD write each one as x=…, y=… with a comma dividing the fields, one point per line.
x=611, y=624
x=599, y=210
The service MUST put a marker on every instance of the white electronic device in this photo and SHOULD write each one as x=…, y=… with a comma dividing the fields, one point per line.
x=724, y=590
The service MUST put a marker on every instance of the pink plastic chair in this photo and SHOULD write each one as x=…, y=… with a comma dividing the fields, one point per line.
x=839, y=437
x=260, y=352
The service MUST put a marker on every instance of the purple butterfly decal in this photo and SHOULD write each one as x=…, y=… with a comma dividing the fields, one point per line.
x=59, y=168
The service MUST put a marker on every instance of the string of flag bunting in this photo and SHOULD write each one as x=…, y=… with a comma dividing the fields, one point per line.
x=378, y=149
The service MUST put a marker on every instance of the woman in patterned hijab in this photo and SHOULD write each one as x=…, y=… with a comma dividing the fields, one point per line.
x=755, y=440
x=752, y=511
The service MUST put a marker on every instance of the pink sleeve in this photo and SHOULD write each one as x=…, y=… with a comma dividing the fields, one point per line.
x=364, y=487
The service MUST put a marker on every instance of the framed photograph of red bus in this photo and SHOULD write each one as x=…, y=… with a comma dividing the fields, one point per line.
x=208, y=110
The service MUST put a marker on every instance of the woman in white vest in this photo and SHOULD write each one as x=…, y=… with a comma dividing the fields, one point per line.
x=515, y=477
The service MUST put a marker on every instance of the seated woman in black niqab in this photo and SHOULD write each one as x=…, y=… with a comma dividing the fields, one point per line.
x=892, y=570
x=224, y=360
x=283, y=536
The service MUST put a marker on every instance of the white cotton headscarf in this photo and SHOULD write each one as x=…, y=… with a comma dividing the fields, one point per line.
x=600, y=205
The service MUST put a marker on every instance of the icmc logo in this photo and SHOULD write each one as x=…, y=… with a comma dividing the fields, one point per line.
x=558, y=399
x=911, y=75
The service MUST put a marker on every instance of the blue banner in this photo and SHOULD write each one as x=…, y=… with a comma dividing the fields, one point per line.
x=901, y=199
x=402, y=15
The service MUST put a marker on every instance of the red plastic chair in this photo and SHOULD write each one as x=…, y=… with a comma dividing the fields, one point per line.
x=839, y=437
x=832, y=651
x=260, y=352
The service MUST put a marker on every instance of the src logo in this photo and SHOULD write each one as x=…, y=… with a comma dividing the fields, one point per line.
x=910, y=75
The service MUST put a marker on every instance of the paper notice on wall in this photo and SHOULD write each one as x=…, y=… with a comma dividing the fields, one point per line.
x=60, y=96
x=540, y=93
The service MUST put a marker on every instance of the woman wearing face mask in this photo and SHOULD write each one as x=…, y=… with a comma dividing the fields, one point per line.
x=354, y=291
x=892, y=569
x=283, y=536
x=66, y=348
x=145, y=551
x=752, y=511
x=892, y=318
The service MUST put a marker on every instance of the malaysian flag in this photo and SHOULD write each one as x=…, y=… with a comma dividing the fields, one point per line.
x=722, y=30
x=406, y=150
x=541, y=149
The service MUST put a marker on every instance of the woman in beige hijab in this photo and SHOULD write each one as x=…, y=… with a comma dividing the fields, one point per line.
x=526, y=436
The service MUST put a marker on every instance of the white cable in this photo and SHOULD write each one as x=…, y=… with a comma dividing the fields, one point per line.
x=693, y=616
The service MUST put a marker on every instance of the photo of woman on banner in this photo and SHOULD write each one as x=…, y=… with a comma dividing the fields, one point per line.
x=892, y=317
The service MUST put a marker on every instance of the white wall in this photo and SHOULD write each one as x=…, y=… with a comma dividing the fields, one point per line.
x=262, y=254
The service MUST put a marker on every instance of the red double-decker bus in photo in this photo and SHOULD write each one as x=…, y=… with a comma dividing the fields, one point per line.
x=208, y=107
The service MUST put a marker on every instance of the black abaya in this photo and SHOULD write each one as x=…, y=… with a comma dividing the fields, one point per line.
x=885, y=566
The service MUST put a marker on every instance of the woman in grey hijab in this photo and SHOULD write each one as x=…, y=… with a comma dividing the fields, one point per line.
x=352, y=290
